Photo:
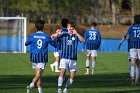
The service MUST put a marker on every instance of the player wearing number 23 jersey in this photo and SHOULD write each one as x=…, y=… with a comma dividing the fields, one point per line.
x=92, y=43
x=39, y=46
x=92, y=39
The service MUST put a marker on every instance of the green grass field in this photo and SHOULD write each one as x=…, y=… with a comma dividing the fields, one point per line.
x=110, y=77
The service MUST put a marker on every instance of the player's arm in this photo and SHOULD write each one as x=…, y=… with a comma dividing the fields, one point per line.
x=123, y=39
x=83, y=48
x=29, y=41
x=99, y=39
x=52, y=42
x=79, y=36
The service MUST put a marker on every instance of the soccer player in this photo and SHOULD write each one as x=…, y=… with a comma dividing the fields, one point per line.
x=64, y=24
x=38, y=42
x=134, y=36
x=68, y=61
x=56, y=53
x=92, y=43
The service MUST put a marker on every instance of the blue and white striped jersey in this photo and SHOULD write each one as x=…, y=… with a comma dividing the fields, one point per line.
x=92, y=39
x=39, y=46
x=64, y=30
x=69, y=44
x=134, y=34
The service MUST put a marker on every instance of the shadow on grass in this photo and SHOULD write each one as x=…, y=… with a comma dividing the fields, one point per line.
x=102, y=80
x=81, y=81
x=132, y=91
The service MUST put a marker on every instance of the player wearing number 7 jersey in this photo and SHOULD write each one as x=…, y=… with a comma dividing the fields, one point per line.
x=92, y=43
x=38, y=42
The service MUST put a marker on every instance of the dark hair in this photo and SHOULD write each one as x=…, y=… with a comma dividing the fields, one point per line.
x=72, y=24
x=64, y=22
x=39, y=24
x=137, y=19
x=94, y=24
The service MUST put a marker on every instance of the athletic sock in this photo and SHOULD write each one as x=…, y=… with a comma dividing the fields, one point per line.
x=40, y=90
x=60, y=82
x=93, y=66
x=137, y=74
x=56, y=65
x=32, y=85
x=69, y=82
x=129, y=68
x=132, y=71
x=87, y=66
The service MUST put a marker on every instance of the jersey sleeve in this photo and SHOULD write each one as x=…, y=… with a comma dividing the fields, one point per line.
x=52, y=42
x=29, y=40
x=99, y=39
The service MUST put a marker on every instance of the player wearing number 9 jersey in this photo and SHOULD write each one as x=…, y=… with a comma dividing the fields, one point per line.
x=38, y=53
x=92, y=43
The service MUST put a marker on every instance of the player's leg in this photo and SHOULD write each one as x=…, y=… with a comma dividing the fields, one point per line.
x=39, y=85
x=69, y=82
x=129, y=63
x=133, y=55
x=87, y=61
x=54, y=63
x=63, y=67
x=132, y=73
x=94, y=55
x=57, y=64
x=73, y=69
x=137, y=66
x=39, y=68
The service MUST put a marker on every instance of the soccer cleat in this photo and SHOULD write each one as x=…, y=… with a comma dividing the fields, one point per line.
x=57, y=70
x=86, y=73
x=65, y=90
x=59, y=91
x=28, y=89
x=52, y=67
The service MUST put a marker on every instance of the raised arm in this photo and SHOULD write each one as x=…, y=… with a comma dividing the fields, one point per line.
x=79, y=36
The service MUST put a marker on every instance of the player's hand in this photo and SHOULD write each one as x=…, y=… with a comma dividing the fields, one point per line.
x=74, y=31
x=53, y=36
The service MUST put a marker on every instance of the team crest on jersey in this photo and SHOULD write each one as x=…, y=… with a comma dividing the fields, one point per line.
x=69, y=42
x=73, y=38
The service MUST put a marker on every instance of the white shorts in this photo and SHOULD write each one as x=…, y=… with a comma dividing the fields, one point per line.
x=92, y=53
x=135, y=53
x=129, y=55
x=56, y=54
x=38, y=65
x=68, y=64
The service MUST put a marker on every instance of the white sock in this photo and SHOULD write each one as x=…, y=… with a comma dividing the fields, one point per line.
x=93, y=65
x=32, y=85
x=129, y=68
x=139, y=69
x=87, y=66
x=60, y=82
x=53, y=64
x=56, y=65
x=40, y=90
x=132, y=71
x=137, y=74
x=69, y=82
